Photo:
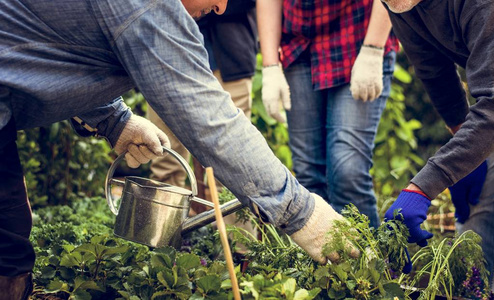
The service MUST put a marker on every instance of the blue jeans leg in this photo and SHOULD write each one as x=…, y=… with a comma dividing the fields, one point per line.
x=351, y=129
x=307, y=129
x=332, y=138
x=481, y=221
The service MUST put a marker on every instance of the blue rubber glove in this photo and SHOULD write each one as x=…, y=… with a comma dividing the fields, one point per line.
x=414, y=206
x=467, y=191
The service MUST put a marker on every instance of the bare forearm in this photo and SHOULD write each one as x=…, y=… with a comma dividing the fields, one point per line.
x=379, y=26
x=269, y=26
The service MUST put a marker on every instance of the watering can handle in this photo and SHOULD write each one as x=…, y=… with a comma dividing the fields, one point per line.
x=109, y=177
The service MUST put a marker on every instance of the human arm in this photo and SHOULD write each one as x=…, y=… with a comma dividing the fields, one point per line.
x=161, y=49
x=107, y=121
x=473, y=128
x=379, y=26
x=274, y=84
x=269, y=17
x=471, y=144
x=160, y=46
x=477, y=37
x=126, y=132
x=440, y=79
x=366, y=81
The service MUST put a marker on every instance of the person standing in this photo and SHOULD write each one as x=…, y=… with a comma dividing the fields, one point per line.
x=338, y=60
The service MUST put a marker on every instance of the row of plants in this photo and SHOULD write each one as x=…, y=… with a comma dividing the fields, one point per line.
x=79, y=258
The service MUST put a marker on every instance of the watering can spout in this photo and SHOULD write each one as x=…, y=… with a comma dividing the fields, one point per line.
x=207, y=217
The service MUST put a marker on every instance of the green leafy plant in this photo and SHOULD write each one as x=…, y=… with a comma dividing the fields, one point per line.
x=60, y=166
x=453, y=266
x=367, y=277
x=382, y=257
x=78, y=258
x=277, y=287
x=395, y=159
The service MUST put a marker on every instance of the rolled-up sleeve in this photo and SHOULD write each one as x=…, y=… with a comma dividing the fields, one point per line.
x=161, y=49
x=108, y=120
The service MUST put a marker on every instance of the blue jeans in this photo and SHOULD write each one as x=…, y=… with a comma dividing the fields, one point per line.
x=481, y=221
x=332, y=138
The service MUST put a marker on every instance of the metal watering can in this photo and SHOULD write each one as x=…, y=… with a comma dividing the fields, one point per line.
x=155, y=213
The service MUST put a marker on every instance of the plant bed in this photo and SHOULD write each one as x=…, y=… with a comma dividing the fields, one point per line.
x=79, y=258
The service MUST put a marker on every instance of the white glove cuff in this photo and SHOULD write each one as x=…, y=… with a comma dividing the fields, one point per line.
x=369, y=50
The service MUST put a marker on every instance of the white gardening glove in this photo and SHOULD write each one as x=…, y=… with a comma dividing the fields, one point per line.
x=317, y=232
x=142, y=140
x=274, y=88
x=366, y=83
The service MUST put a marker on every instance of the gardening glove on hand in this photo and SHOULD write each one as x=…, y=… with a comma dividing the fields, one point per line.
x=366, y=83
x=414, y=206
x=314, y=234
x=142, y=140
x=467, y=191
x=274, y=88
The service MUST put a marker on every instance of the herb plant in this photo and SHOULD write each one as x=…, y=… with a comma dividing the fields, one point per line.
x=453, y=266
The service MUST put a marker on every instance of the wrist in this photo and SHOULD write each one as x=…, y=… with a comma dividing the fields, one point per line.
x=371, y=51
x=118, y=127
x=270, y=65
x=412, y=188
x=373, y=46
x=454, y=129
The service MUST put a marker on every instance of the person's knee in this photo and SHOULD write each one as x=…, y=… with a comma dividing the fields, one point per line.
x=350, y=182
x=351, y=169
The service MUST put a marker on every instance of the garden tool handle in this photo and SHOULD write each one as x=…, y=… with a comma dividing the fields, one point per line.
x=220, y=223
x=109, y=177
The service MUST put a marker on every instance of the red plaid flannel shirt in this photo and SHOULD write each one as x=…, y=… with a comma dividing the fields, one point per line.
x=333, y=31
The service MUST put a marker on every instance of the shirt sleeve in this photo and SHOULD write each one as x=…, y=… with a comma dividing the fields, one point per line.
x=436, y=71
x=160, y=48
x=107, y=121
x=471, y=145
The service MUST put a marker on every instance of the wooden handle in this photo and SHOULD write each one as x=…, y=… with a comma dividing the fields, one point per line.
x=222, y=229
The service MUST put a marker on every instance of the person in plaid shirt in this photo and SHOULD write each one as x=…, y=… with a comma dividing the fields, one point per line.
x=338, y=60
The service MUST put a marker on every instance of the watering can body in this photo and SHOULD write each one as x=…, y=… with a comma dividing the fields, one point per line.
x=155, y=213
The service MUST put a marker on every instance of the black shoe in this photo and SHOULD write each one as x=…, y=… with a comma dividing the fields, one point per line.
x=19, y=287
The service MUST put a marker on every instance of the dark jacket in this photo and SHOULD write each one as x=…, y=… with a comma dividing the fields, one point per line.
x=437, y=35
x=231, y=40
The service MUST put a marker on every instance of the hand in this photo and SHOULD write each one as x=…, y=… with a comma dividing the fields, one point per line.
x=366, y=83
x=314, y=234
x=142, y=140
x=274, y=87
x=414, y=206
x=467, y=191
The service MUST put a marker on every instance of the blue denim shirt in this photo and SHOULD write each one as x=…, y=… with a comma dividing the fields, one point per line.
x=60, y=59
